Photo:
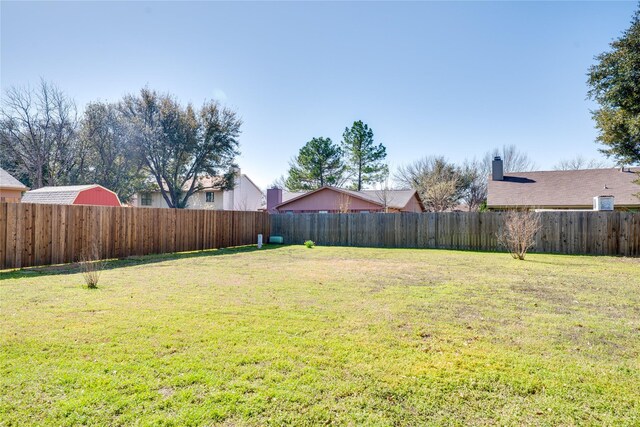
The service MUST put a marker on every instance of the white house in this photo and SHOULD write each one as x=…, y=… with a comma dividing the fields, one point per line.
x=245, y=196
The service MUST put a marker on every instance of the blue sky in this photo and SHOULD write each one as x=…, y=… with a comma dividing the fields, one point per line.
x=452, y=79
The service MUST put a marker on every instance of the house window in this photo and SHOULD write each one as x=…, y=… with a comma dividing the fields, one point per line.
x=323, y=211
x=364, y=211
x=145, y=199
x=209, y=196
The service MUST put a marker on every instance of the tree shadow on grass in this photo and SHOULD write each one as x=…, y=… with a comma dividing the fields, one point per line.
x=73, y=268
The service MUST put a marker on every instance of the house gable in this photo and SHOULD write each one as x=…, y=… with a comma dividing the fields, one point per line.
x=413, y=205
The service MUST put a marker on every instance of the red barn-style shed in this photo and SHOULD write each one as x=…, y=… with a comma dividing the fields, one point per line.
x=93, y=194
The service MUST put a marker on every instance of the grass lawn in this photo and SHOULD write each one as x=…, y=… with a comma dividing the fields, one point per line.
x=347, y=336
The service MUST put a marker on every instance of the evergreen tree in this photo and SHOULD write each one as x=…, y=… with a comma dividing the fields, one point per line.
x=318, y=163
x=365, y=160
x=615, y=85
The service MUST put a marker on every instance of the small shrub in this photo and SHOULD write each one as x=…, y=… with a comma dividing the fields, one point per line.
x=91, y=266
x=519, y=231
x=309, y=244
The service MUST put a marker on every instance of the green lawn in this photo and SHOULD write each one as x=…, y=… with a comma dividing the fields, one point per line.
x=348, y=336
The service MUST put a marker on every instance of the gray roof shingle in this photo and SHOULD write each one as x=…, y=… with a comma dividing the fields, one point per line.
x=9, y=182
x=569, y=189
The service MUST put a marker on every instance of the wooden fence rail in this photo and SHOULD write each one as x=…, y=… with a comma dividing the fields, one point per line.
x=37, y=234
x=601, y=233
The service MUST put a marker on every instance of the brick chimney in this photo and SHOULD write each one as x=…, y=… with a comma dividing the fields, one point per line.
x=497, y=173
x=274, y=198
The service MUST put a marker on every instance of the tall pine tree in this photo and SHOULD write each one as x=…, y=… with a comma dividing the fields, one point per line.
x=365, y=160
x=318, y=163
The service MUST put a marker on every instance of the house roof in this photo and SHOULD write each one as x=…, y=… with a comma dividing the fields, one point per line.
x=573, y=189
x=396, y=199
x=9, y=182
x=63, y=195
x=288, y=195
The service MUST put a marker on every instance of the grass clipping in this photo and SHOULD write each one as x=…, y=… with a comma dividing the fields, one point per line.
x=91, y=266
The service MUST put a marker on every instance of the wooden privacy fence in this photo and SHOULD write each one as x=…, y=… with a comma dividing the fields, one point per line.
x=37, y=234
x=602, y=233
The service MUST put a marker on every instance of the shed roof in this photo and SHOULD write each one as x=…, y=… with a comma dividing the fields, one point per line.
x=571, y=189
x=63, y=195
x=9, y=182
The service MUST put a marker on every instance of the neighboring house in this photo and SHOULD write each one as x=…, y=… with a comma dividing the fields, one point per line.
x=568, y=189
x=335, y=200
x=92, y=194
x=10, y=188
x=245, y=196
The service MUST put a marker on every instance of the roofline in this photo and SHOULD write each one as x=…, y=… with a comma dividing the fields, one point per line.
x=627, y=169
x=14, y=187
x=343, y=191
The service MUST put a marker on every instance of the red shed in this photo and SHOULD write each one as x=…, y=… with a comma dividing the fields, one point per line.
x=93, y=194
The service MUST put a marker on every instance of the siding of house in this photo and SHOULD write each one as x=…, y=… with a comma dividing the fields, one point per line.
x=157, y=201
x=196, y=201
x=199, y=200
x=10, y=195
x=244, y=197
x=412, y=206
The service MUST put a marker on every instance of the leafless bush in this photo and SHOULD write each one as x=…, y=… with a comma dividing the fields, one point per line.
x=91, y=265
x=519, y=231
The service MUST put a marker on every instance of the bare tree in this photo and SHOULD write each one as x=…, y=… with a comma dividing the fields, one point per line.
x=111, y=158
x=440, y=196
x=519, y=231
x=579, y=162
x=409, y=175
x=513, y=160
x=280, y=182
x=439, y=183
x=344, y=203
x=38, y=133
x=384, y=195
x=476, y=189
